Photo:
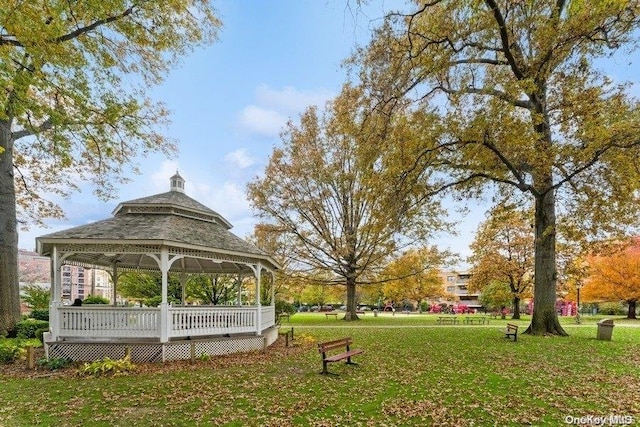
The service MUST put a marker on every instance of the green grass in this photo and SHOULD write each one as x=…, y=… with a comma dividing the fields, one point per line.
x=409, y=375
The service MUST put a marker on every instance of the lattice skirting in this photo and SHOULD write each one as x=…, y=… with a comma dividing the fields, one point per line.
x=159, y=352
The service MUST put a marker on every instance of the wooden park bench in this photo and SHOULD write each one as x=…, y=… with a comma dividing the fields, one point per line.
x=335, y=315
x=361, y=312
x=511, y=331
x=326, y=347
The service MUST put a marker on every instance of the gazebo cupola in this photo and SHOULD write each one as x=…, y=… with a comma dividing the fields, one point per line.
x=177, y=183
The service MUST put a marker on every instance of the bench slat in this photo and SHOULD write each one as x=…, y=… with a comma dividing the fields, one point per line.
x=342, y=356
x=330, y=345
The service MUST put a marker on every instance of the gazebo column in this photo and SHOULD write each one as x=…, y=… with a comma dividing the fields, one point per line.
x=165, y=321
x=183, y=286
x=239, y=290
x=56, y=291
x=114, y=279
x=164, y=263
x=273, y=290
x=257, y=269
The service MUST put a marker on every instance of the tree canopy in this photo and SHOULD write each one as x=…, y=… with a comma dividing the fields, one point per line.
x=503, y=252
x=334, y=189
x=74, y=104
x=520, y=103
x=415, y=275
x=615, y=277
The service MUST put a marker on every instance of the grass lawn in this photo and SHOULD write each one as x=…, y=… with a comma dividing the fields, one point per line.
x=412, y=373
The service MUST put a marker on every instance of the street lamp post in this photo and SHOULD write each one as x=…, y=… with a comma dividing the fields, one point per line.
x=578, y=287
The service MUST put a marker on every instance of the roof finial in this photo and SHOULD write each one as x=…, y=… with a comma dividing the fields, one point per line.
x=177, y=183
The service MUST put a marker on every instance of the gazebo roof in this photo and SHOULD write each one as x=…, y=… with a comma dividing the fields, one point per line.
x=169, y=220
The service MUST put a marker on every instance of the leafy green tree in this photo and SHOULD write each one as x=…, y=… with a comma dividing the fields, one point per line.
x=514, y=100
x=36, y=296
x=212, y=289
x=74, y=105
x=496, y=296
x=148, y=285
x=337, y=197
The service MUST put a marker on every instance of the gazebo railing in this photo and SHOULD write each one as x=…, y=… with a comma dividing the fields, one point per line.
x=211, y=320
x=268, y=316
x=183, y=321
x=109, y=322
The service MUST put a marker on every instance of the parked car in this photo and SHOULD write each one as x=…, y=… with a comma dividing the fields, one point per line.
x=326, y=308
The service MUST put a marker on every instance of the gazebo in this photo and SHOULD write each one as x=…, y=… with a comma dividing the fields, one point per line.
x=167, y=232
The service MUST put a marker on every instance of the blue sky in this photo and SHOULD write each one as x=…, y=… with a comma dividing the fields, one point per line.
x=230, y=100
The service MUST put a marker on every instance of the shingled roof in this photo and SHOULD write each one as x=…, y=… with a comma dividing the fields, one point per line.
x=170, y=219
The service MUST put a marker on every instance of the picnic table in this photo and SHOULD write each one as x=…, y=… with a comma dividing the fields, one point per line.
x=443, y=320
x=470, y=320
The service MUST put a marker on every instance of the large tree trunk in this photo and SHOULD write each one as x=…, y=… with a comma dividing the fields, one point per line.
x=516, y=308
x=351, y=301
x=631, y=314
x=545, y=318
x=9, y=285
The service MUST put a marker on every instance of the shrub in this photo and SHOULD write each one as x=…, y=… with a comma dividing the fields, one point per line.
x=107, y=366
x=40, y=314
x=10, y=350
x=54, y=363
x=612, y=308
x=27, y=328
x=40, y=332
x=284, y=307
x=95, y=299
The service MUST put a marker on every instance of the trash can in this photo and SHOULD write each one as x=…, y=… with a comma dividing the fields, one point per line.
x=375, y=312
x=605, y=329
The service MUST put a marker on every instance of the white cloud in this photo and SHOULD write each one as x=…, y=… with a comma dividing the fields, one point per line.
x=240, y=159
x=230, y=201
x=272, y=108
x=290, y=100
x=261, y=121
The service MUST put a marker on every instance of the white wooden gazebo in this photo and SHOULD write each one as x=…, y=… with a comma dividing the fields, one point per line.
x=167, y=232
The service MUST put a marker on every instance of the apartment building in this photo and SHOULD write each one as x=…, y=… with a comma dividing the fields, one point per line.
x=77, y=282
x=455, y=284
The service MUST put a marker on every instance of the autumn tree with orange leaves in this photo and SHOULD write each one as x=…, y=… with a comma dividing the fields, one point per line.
x=615, y=277
x=416, y=276
x=503, y=252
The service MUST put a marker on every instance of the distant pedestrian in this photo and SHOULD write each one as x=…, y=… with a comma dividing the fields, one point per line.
x=77, y=302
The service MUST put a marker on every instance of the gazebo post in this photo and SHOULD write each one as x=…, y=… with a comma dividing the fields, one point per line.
x=239, y=292
x=257, y=271
x=56, y=291
x=114, y=279
x=164, y=305
x=183, y=286
x=273, y=290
